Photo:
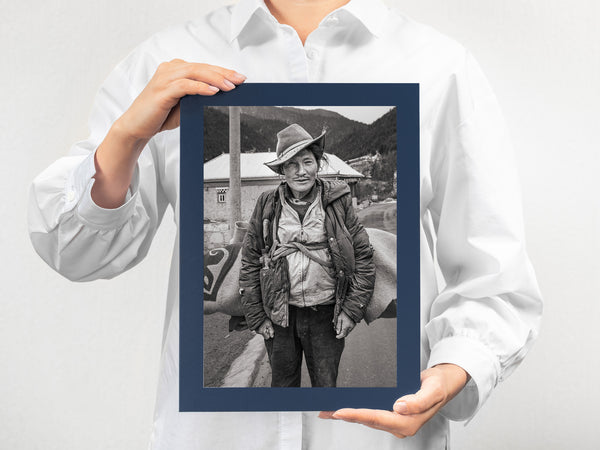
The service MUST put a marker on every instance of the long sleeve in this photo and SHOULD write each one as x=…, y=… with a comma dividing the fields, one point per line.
x=488, y=315
x=77, y=238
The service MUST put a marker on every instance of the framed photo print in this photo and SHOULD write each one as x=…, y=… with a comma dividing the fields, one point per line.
x=299, y=247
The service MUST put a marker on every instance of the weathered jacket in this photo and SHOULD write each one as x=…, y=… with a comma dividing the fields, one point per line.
x=348, y=243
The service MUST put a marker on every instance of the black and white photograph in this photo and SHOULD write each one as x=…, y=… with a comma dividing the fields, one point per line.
x=300, y=223
x=305, y=266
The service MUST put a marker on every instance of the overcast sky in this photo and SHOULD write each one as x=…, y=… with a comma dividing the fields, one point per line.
x=365, y=114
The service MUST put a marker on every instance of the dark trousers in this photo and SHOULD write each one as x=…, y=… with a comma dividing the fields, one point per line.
x=311, y=332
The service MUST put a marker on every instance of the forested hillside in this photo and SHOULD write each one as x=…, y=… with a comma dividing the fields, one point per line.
x=345, y=138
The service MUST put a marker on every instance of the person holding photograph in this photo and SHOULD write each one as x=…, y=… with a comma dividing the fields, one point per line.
x=93, y=214
x=307, y=268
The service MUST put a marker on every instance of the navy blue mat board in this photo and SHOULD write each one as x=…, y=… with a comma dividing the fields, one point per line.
x=193, y=396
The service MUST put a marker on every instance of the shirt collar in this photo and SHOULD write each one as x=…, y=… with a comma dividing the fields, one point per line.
x=308, y=198
x=370, y=13
x=367, y=12
x=243, y=12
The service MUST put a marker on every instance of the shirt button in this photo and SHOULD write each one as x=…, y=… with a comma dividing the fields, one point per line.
x=70, y=196
x=313, y=54
x=332, y=20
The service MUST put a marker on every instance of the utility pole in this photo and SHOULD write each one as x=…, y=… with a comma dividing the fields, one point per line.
x=235, y=182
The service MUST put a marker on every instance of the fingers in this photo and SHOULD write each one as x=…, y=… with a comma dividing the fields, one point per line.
x=266, y=330
x=186, y=86
x=399, y=425
x=393, y=423
x=438, y=385
x=231, y=75
x=265, y=334
x=369, y=417
x=270, y=332
x=343, y=333
x=343, y=326
x=225, y=80
x=219, y=77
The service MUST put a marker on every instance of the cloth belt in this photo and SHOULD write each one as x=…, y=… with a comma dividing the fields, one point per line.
x=288, y=248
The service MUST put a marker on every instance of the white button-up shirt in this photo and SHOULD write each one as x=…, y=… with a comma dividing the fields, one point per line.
x=484, y=318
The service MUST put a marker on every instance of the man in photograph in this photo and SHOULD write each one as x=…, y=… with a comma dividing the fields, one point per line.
x=298, y=261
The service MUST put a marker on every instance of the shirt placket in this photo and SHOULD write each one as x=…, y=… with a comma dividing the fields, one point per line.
x=297, y=63
x=313, y=61
x=305, y=62
x=315, y=48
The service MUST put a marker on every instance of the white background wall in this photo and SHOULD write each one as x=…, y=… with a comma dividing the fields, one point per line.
x=79, y=362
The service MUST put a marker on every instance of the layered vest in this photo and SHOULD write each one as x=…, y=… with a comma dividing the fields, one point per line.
x=311, y=283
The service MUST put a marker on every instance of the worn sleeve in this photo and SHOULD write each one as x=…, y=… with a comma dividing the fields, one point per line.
x=488, y=315
x=362, y=282
x=250, y=271
x=76, y=237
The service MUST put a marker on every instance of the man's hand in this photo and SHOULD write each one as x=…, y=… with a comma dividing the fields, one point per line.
x=439, y=385
x=344, y=325
x=266, y=329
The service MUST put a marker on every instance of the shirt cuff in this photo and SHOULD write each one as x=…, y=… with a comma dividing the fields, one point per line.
x=479, y=362
x=78, y=194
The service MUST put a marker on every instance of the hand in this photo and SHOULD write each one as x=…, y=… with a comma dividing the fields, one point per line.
x=157, y=107
x=439, y=385
x=344, y=325
x=266, y=329
x=154, y=110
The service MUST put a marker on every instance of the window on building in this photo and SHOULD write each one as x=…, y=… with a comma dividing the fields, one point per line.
x=221, y=195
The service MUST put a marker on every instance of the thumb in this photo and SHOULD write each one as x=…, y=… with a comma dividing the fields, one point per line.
x=173, y=118
x=430, y=394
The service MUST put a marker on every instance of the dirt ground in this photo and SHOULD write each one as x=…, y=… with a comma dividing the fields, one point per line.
x=221, y=347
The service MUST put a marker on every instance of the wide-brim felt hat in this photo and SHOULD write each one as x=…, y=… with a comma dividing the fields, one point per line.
x=292, y=140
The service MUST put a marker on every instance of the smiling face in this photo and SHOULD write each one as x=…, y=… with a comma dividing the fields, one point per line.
x=300, y=173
